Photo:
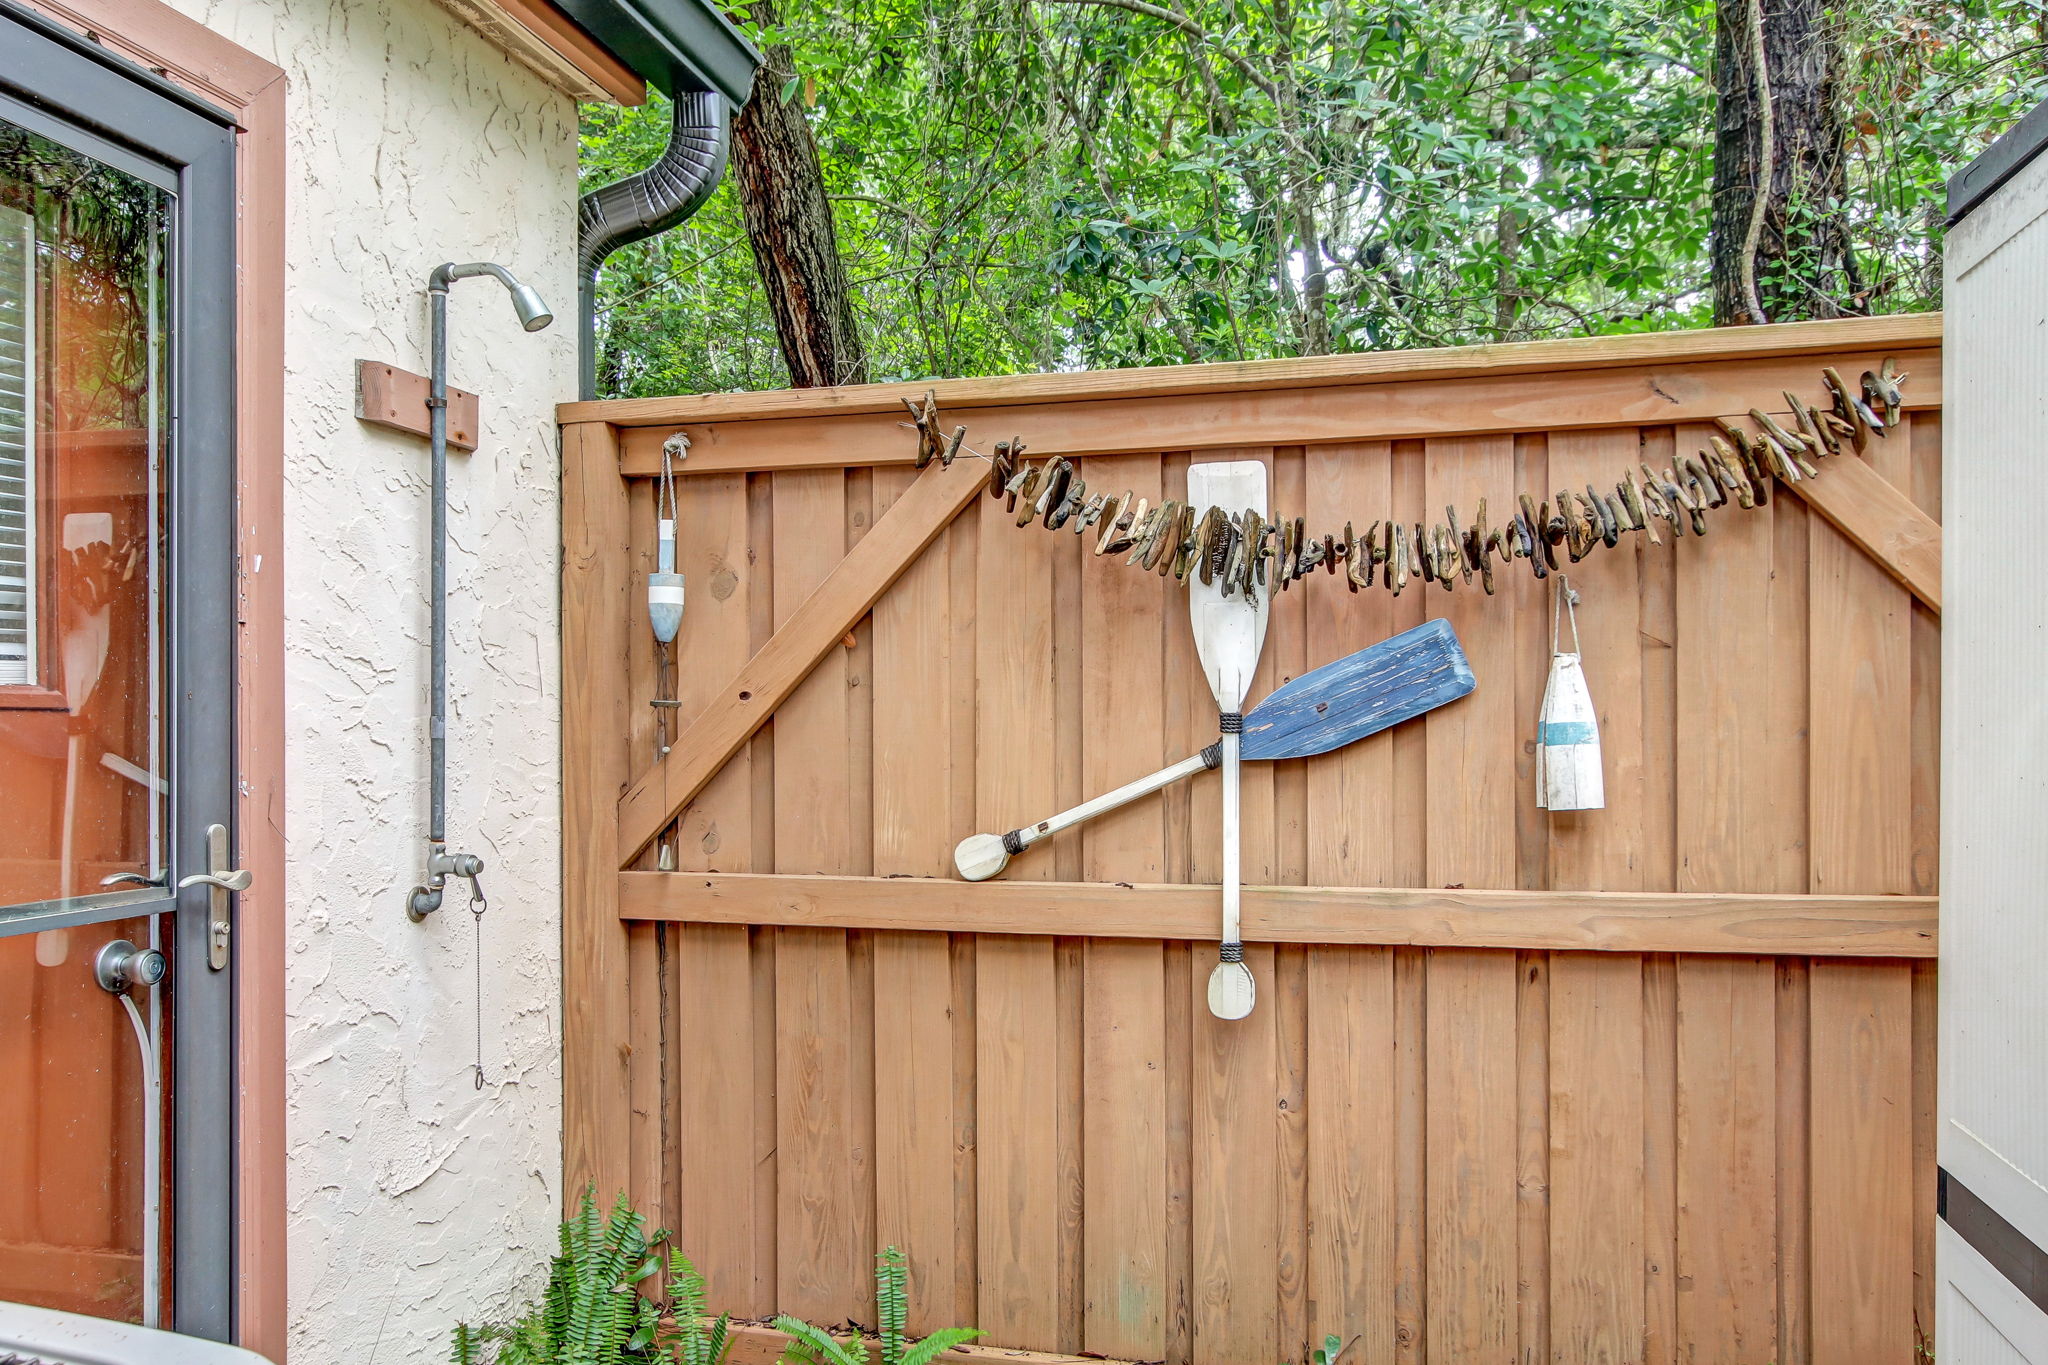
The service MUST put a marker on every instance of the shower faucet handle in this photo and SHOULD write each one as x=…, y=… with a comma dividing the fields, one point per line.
x=425, y=899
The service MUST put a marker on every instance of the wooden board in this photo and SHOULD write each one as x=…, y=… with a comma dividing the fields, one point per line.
x=1691, y=349
x=1614, y=921
x=1223, y=421
x=396, y=399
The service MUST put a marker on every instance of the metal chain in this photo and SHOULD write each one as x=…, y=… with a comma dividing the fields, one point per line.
x=477, y=906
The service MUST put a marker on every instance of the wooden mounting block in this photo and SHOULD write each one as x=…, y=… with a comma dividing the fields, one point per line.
x=387, y=396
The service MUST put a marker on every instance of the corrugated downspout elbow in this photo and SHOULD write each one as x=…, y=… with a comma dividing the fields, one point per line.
x=655, y=200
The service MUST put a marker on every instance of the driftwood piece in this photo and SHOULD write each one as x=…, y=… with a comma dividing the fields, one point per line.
x=1117, y=520
x=1720, y=457
x=1054, y=488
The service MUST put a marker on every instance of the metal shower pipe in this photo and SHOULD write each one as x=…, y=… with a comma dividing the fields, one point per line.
x=533, y=314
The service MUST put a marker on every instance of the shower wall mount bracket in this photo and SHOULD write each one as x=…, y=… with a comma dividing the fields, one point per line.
x=399, y=400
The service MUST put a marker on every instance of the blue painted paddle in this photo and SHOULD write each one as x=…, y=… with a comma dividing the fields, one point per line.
x=1325, y=708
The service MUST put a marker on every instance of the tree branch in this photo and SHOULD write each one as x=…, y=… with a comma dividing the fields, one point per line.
x=1192, y=29
x=1766, y=153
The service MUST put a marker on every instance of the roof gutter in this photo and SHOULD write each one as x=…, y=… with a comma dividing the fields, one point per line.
x=691, y=51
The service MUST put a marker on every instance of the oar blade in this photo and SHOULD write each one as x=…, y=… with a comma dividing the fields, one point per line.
x=1229, y=630
x=1361, y=694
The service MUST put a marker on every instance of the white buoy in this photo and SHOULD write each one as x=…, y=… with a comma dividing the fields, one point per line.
x=1568, y=768
x=665, y=585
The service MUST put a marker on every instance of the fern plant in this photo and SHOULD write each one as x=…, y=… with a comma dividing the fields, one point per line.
x=809, y=1345
x=592, y=1311
x=597, y=1309
x=688, y=1340
x=1327, y=1353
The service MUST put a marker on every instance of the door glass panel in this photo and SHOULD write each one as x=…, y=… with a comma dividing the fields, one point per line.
x=80, y=1165
x=83, y=418
x=83, y=298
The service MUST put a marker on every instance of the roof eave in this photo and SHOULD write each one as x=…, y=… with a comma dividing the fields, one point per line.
x=674, y=45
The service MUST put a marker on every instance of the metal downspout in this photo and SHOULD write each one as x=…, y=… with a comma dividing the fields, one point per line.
x=642, y=205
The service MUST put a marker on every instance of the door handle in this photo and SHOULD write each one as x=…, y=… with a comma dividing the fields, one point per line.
x=222, y=879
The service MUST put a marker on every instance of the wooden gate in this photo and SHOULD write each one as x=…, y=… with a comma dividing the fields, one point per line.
x=1651, y=1083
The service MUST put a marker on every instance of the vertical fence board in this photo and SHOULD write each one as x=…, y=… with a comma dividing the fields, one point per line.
x=1350, y=834
x=1472, y=1265
x=1861, y=1124
x=1351, y=1148
x=914, y=668
x=1596, y=1158
x=1017, y=1142
x=1727, y=1157
x=1604, y=848
x=1532, y=1153
x=1471, y=835
x=914, y=1118
x=823, y=1236
x=1528, y=600
x=715, y=1224
x=1236, y=1171
x=1662, y=1344
x=1125, y=1033
x=1862, y=1155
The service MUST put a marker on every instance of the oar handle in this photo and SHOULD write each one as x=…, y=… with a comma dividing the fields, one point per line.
x=1108, y=801
x=1233, y=873
x=981, y=856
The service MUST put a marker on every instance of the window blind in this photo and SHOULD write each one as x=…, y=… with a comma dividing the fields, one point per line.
x=17, y=449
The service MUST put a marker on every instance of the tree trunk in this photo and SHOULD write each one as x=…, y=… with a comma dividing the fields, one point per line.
x=789, y=226
x=1795, y=262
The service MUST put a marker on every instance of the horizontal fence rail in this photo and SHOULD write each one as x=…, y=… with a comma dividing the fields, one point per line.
x=1649, y=1083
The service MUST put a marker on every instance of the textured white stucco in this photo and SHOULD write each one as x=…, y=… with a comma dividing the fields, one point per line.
x=415, y=1199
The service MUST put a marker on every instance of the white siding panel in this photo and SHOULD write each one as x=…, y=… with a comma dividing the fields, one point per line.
x=1994, y=893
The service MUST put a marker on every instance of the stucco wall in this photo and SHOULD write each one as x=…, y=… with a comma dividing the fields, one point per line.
x=414, y=1198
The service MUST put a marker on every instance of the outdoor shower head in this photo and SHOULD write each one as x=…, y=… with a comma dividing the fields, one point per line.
x=533, y=313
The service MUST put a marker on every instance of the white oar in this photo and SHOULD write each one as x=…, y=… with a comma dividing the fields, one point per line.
x=1229, y=633
x=980, y=856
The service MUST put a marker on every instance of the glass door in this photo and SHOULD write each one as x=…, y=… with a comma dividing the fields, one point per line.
x=116, y=687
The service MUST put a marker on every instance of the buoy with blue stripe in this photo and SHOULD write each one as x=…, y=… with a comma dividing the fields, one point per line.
x=1568, y=769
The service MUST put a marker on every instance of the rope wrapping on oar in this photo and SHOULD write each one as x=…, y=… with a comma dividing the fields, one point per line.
x=1013, y=842
x=1231, y=952
x=1230, y=722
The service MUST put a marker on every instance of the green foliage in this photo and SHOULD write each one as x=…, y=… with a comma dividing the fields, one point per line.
x=596, y=1308
x=1327, y=1353
x=809, y=1345
x=688, y=1340
x=608, y=1302
x=1056, y=184
x=592, y=1311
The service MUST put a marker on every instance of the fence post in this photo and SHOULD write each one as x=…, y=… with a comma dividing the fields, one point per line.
x=596, y=1049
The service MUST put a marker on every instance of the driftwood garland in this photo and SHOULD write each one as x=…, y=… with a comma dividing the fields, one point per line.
x=1254, y=555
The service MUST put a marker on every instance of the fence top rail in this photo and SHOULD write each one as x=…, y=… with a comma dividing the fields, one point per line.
x=1703, y=346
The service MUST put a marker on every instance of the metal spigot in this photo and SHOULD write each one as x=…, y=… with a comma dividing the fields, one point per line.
x=425, y=899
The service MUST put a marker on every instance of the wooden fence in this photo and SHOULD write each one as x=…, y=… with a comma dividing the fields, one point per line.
x=1651, y=1083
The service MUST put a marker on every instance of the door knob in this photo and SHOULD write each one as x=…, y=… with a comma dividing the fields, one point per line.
x=121, y=965
x=222, y=879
